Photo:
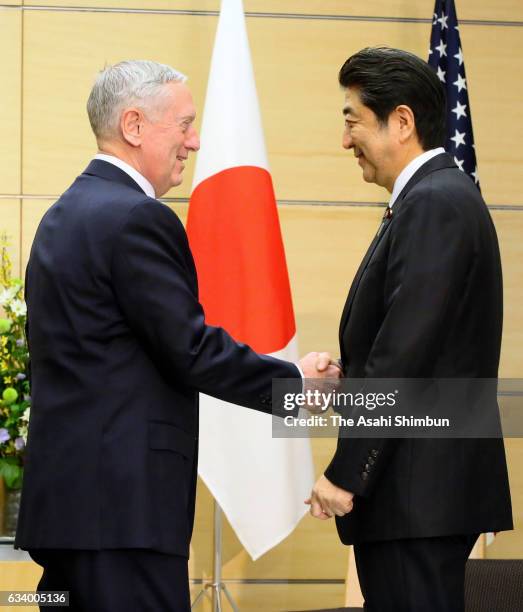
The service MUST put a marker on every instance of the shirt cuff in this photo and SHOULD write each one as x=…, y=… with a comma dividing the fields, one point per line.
x=302, y=377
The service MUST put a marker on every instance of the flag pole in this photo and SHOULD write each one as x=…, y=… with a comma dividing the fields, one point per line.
x=217, y=567
x=217, y=585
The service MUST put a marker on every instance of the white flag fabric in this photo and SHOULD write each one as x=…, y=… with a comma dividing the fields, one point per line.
x=260, y=482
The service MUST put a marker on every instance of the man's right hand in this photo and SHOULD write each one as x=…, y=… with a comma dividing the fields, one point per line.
x=319, y=365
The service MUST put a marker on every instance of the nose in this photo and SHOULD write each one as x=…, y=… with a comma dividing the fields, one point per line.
x=192, y=142
x=346, y=141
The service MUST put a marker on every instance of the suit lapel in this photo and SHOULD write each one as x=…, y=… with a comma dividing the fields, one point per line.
x=436, y=163
x=355, y=283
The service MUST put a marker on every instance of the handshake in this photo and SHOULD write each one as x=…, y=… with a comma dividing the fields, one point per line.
x=321, y=373
x=320, y=365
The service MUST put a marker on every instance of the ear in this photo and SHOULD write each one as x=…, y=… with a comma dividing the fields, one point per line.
x=132, y=126
x=406, y=122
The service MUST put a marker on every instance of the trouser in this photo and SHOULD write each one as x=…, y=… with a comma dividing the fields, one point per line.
x=414, y=575
x=124, y=580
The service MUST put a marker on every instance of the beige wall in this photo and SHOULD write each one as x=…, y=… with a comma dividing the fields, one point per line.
x=49, y=59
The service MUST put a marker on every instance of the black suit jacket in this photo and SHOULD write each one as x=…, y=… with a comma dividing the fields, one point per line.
x=119, y=351
x=426, y=302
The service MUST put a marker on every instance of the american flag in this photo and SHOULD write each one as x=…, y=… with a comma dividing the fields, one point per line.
x=446, y=56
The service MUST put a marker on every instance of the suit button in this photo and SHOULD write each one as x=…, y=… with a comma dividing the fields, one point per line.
x=371, y=461
x=366, y=468
x=364, y=475
x=374, y=452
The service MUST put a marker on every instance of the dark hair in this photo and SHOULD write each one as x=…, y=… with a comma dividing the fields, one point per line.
x=389, y=77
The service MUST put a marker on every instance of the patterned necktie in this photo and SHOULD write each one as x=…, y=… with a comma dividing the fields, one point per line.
x=386, y=216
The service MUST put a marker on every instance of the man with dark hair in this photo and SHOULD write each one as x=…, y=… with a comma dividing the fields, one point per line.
x=426, y=302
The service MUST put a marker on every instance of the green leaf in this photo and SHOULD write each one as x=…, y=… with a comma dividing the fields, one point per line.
x=11, y=472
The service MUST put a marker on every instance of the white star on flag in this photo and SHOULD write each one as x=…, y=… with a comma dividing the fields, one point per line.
x=435, y=19
x=459, y=56
x=460, y=110
x=443, y=21
x=441, y=74
x=459, y=163
x=458, y=138
x=461, y=83
x=442, y=49
x=475, y=175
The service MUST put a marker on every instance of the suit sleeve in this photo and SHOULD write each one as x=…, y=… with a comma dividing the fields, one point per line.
x=155, y=285
x=430, y=253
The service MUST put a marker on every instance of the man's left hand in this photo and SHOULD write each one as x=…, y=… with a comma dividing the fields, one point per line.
x=328, y=500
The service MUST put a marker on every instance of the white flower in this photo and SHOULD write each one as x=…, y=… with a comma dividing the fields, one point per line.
x=27, y=413
x=18, y=308
x=6, y=295
x=23, y=432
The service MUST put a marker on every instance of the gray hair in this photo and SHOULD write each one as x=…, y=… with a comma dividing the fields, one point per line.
x=133, y=82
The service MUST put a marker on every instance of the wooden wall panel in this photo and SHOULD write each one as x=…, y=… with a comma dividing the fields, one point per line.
x=509, y=226
x=509, y=544
x=324, y=247
x=10, y=224
x=19, y=576
x=10, y=99
x=58, y=78
x=304, y=133
x=32, y=213
x=495, y=98
x=302, y=115
x=278, y=597
x=393, y=8
x=509, y=10
x=302, y=103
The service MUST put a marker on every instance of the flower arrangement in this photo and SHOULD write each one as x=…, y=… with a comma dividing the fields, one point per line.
x=14, y=383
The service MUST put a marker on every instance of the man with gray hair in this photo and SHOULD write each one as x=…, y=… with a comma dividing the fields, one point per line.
x=119, y=351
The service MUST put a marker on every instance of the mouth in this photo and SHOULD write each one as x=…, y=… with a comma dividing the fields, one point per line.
x=181, y=160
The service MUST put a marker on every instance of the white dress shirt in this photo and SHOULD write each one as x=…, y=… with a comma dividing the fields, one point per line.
x=132, y=172
x=410, y=169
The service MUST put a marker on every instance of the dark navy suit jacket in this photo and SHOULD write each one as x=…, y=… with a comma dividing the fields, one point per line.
x=119, y=351
x=426, y=302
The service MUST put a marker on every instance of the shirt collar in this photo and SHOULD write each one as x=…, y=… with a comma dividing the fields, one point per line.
x=146, y=186
x=410, y=169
